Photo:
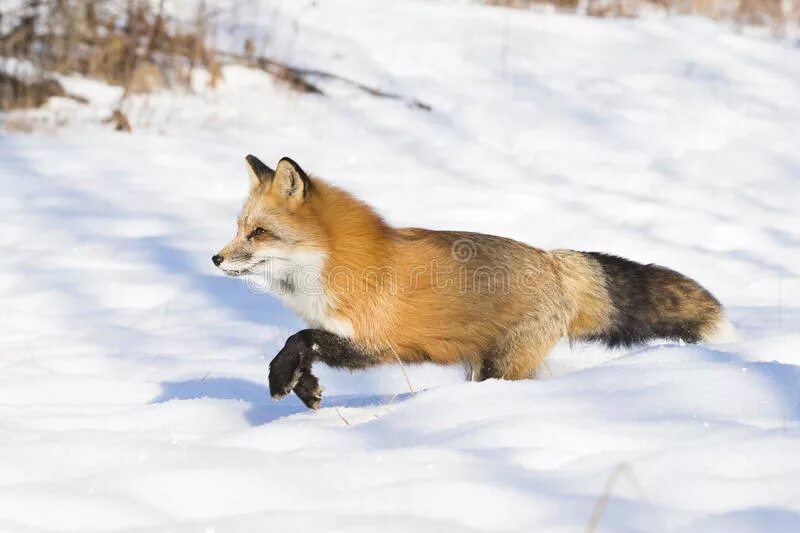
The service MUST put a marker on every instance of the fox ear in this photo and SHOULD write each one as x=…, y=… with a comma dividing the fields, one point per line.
x=291, y=183
x=259, y=172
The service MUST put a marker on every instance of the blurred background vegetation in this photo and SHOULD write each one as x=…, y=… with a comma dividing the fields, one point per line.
x=137, y=45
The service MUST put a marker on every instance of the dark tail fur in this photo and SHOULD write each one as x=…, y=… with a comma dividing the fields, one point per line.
x=650, y=302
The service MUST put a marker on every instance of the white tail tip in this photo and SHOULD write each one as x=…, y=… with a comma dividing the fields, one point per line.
x=722, y=332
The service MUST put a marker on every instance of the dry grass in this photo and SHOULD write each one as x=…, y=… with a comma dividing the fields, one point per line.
x=135, y=45
x=562, y=5
x=132, y=44
x=619, y=471
x=128, y=43
x=18, y=93
x=771, y=13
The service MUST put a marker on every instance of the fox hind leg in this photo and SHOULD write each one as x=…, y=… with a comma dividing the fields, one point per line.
x=521, y=353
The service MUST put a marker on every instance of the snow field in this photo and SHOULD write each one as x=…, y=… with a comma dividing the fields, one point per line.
x=133, y=376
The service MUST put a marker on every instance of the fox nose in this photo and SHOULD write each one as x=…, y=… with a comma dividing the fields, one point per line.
x=217, y=259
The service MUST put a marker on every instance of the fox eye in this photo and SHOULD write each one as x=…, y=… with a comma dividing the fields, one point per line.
x=258, y=232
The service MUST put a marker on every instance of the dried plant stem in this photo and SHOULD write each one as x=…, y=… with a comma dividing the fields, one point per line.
x=405, y=375
x=602, y=501
x=338, y=412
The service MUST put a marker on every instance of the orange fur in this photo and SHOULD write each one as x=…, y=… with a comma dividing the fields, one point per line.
x=419, y=295
x=408, y=298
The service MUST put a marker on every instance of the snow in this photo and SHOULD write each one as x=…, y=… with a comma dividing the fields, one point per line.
x=133, y=375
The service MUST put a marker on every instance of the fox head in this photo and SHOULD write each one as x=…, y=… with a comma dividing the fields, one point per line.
x=277, y=231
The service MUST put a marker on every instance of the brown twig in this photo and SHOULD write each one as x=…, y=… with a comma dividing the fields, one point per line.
x=413, y=102
x=297, y=77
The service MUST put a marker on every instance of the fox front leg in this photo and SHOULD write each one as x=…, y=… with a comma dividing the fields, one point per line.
x=290, y=370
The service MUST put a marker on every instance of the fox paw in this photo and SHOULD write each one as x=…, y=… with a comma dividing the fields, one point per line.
x=309, y=390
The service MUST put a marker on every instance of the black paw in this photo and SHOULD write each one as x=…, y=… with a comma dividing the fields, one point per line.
x=285, y=371
x=309, y=390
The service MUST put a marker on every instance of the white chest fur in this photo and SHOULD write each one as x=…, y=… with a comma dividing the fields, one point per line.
x=296, y=278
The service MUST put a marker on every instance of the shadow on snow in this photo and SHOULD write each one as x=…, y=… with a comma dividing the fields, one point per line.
x=263, y=408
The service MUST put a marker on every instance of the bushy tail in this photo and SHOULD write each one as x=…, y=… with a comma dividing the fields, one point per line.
x=644, y=302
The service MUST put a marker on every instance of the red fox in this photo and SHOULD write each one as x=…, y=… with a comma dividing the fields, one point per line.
x=375, y=294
